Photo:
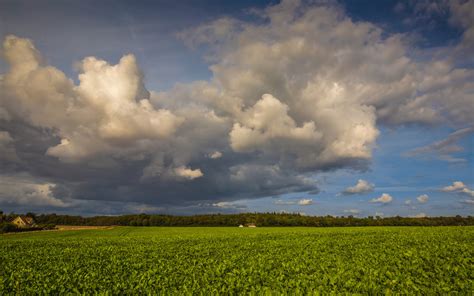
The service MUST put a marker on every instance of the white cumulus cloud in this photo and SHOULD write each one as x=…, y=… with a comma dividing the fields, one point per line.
x=362, y=186
x=305, y=202
x=384, y=198
x=188, y=173
x=107, y=112
x=422, y=198
x=459, y=187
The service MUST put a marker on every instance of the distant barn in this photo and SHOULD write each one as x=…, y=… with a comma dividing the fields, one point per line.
x=23, y=222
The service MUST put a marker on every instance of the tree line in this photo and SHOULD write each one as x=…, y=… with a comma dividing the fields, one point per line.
x=259, y=219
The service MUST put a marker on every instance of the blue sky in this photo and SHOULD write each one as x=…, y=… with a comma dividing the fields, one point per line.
x=381, y=92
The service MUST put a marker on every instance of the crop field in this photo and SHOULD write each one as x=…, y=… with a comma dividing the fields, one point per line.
x=154, y=260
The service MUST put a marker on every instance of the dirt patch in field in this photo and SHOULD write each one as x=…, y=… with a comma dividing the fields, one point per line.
x=71, y=227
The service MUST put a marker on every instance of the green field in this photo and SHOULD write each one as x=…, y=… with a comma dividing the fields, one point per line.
x=138, y=260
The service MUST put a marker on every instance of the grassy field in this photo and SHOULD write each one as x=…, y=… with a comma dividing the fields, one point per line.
x=131, y=260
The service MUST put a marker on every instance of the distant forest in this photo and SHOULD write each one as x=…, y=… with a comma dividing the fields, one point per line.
x=259, y=219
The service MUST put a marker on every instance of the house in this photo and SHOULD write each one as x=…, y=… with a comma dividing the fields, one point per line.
x=23, y=222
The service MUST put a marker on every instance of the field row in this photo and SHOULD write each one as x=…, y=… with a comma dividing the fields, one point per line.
x=229, y=260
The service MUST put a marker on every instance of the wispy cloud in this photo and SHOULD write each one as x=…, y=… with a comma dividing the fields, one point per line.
x=444, y=149
x=352, y=211
x=300, y=202
x=284, y=202
x=468, y=202
x=229, y=205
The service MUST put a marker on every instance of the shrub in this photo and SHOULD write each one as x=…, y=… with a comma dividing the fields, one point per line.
x=7, y=227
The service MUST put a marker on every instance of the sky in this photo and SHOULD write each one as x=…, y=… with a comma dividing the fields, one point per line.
x=341, y=108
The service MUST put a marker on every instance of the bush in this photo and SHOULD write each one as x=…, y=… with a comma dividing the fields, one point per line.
x=48, y=226
x=7, y=227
